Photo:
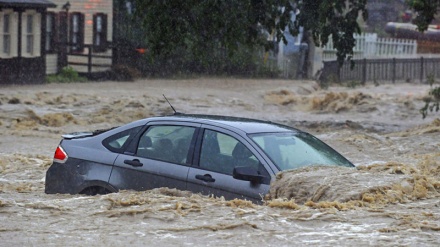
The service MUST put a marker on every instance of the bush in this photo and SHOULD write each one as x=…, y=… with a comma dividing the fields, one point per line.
x=210, y=61
x=67, y=74
x=432, y=100
x=121, y=72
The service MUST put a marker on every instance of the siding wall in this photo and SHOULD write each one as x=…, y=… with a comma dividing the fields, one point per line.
x=88, y=8
x=51, y=64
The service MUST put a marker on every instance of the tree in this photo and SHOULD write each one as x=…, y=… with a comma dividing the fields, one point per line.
x=426, y=11
x=197, y=25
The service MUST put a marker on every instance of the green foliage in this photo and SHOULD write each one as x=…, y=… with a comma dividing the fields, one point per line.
x=199, y=25
x=128, y=30
x=326, y=81
x=124, y=73
x=426, y=11
x=67, y=74
x=430, y=79
x=432, y=101
x=332, y=18
x=375, y=82
x=324, y=84
x=353, y=84
x=183, y=63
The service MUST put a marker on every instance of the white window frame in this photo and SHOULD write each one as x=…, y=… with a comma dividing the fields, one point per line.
x=31, y=34
x=13, y=36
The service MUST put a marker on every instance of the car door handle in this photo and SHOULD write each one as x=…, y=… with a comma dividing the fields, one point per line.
x=206, y=178
x=135, y=162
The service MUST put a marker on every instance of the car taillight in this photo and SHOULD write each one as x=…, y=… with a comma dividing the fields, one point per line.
x=60, y=155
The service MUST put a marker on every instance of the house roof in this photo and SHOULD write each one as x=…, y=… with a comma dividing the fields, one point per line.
x=27, y=3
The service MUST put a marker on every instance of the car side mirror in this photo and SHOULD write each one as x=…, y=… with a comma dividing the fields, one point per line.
x=247, y=174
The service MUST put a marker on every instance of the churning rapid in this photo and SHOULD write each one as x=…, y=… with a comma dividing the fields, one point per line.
x=391, y=197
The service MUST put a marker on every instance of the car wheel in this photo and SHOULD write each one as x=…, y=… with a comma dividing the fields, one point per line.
x=95, y=190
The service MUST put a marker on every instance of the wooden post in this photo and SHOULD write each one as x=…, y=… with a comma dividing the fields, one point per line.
x=364, y=71
x=421, y=69
x=89, y=60
x=394, y=70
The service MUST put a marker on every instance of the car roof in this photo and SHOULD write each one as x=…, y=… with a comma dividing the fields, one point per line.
x=246, y=125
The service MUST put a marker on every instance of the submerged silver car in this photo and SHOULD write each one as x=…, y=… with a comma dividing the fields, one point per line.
x=213, y=155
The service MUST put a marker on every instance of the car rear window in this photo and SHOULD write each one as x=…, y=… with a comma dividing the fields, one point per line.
x=117, y=142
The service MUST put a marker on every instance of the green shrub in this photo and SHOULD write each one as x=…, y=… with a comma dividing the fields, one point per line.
x=432, y=100
x=67, y=74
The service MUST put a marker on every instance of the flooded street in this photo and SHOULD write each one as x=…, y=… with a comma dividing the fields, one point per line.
x=391, y=199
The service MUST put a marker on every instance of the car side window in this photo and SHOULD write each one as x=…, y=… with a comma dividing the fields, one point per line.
x=167, y=143
x=116, y=142
x=222, y=153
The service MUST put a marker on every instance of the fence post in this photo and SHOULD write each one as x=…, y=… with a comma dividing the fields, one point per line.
x=364, y=71
x=421, y=69
x=89, y=60
x=394, y=70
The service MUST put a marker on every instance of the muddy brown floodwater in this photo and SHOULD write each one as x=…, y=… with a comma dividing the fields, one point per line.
x=391, y=198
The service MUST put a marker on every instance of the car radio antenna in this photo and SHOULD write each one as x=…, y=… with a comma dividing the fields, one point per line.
x=175, y=112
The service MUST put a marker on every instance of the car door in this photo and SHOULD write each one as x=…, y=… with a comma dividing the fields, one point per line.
x=161, y=158
x=219, y=152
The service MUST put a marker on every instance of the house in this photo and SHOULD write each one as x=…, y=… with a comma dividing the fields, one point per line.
x=22, y=35
x=79, y=34
x=40, y=37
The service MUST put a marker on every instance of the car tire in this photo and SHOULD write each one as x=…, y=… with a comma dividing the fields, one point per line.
x=95, y=190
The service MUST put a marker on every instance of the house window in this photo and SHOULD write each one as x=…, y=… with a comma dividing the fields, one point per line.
x=31, y=34
x=77, y=32
x=50, y=33
x=8, y=33
x=100, y=32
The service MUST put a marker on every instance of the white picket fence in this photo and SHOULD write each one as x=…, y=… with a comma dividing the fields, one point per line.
x=368, y=45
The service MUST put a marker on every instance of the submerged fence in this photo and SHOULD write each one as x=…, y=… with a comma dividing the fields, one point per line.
x=395, y=69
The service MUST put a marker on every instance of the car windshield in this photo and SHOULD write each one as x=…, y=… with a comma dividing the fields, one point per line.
x=291, y=150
